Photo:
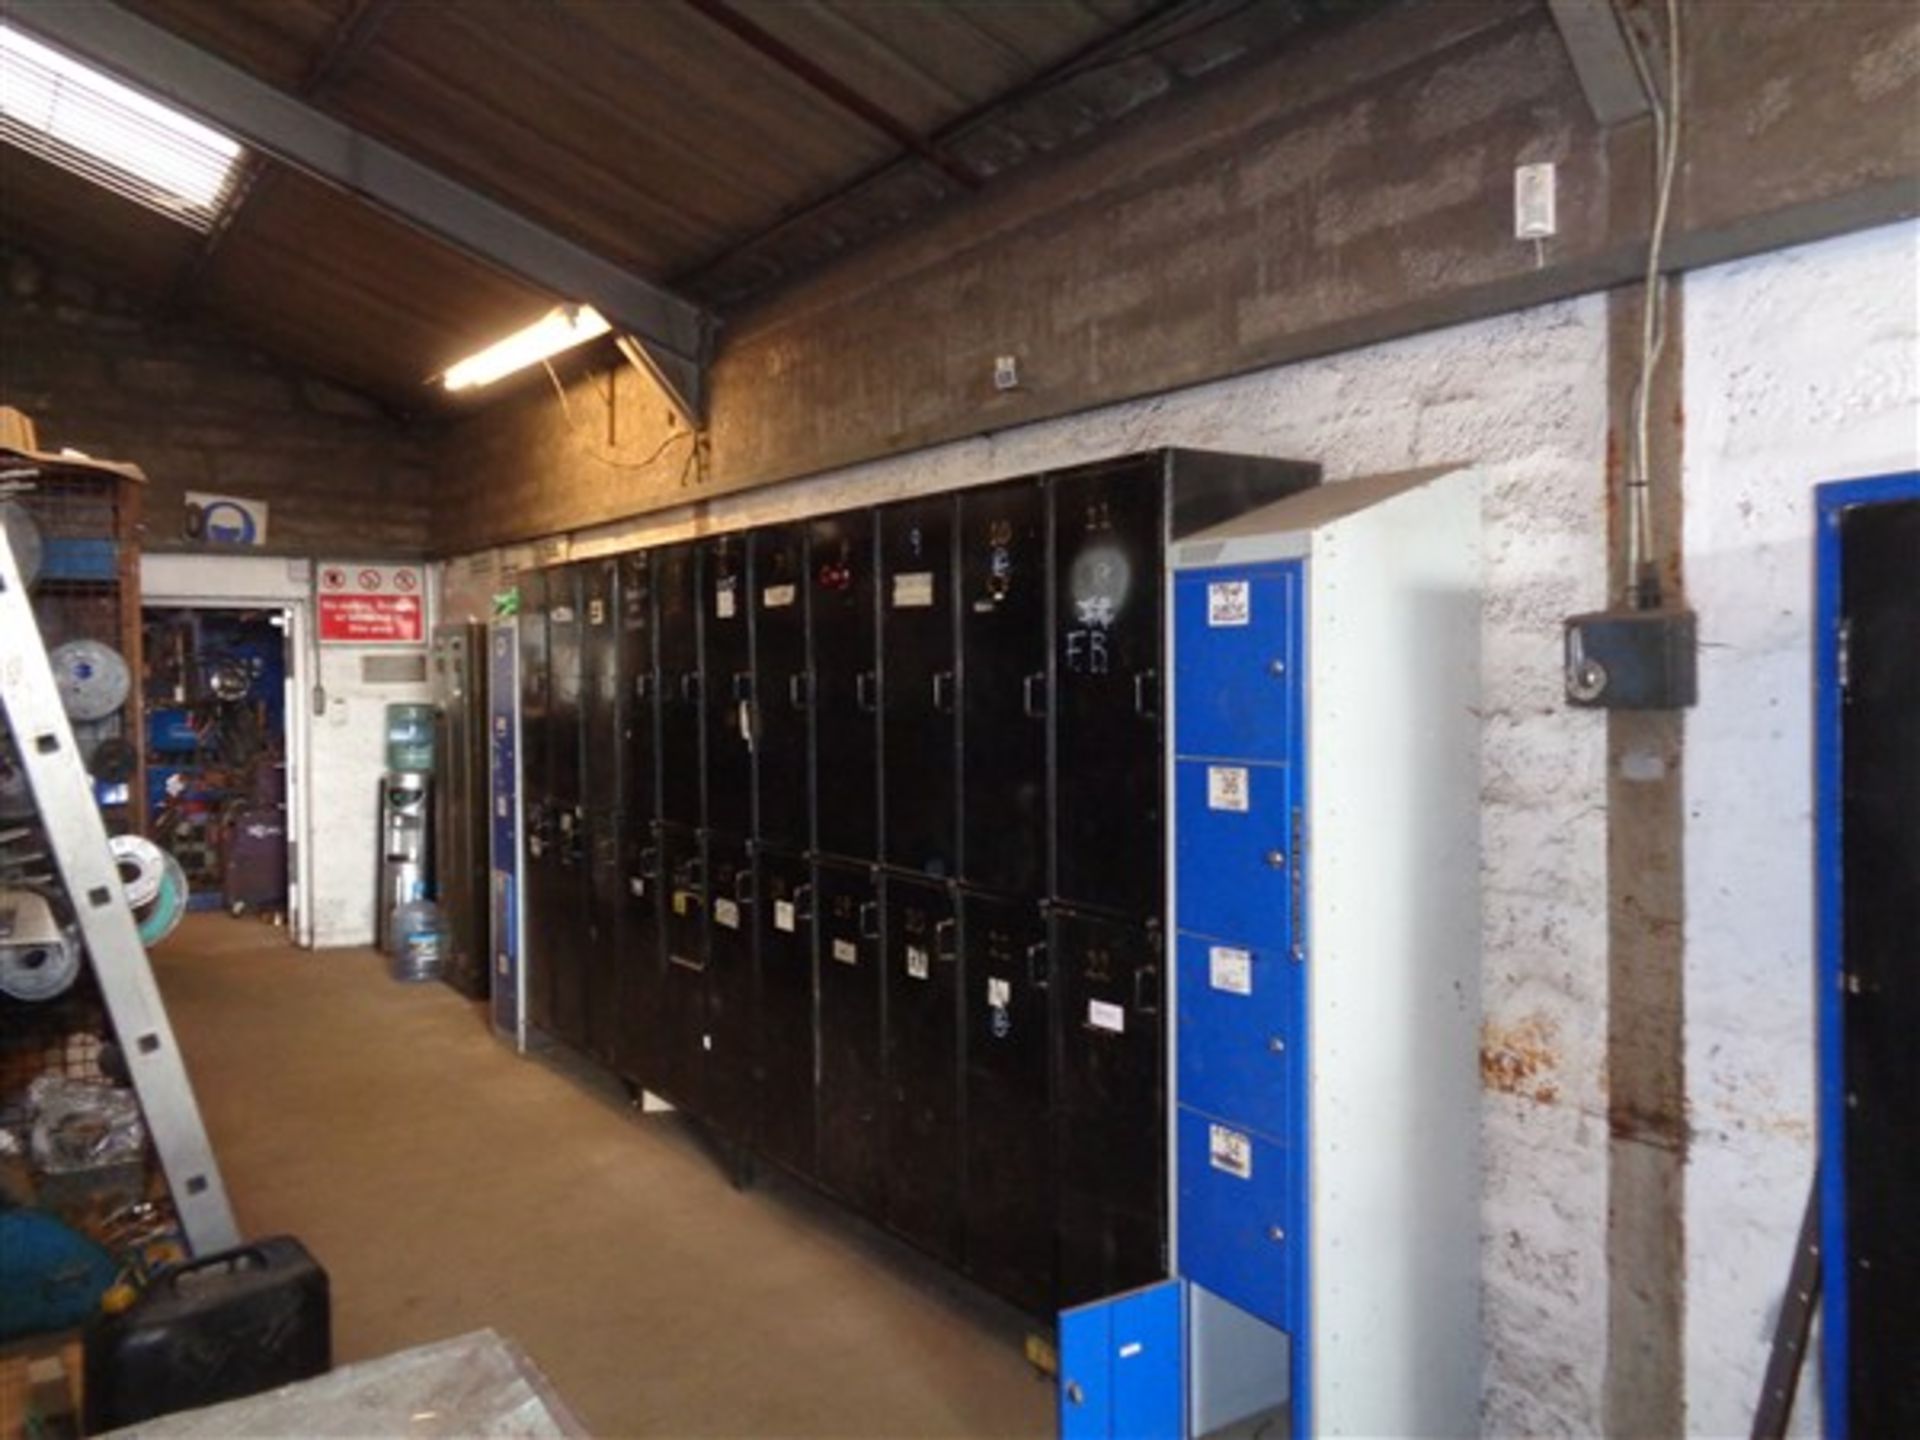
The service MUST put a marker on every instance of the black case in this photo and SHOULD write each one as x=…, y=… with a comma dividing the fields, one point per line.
x=213, y=1329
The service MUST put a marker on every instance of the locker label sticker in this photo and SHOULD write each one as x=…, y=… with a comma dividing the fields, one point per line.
x=846, y=952
x=1230, y=1151
x=1227, y=788
x=1229, y=602
x=913, y=590
x=999, y=993
x=777, y=597
x=919, y=963
x=784, y=917
x=1230, y=969
x=636, y=886
x=727, y=913
x=596, y=612
x=1103, y=1015
x=723, y=601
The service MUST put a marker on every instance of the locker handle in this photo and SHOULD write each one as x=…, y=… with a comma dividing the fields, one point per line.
x=650, y=862
x=1144, y=682
x=799, y=690
x=690, y=687
x=1146, y=997
x=742, y=686
x=943, y=692
x=803, y=903
x=869, y=919
x=1037, y=965
x=743, y=887
x=1297, y=888
x=946, y=936
x=865, y=690
x=1033, y=695
x=643, y=686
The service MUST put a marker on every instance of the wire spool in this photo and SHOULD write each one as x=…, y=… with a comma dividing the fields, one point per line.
x=17, y=523
x=162, y=917
x=92, y=679
x=38, y=960
x=142, y=865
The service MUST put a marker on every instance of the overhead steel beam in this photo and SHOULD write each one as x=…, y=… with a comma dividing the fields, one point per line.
x=1590, y=29
x=673, y=330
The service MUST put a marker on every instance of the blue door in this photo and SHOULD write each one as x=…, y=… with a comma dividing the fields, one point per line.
x=1122, y=1375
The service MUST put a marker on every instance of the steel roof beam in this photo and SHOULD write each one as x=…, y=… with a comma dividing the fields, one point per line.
x=673, y=330
x=1590, y=30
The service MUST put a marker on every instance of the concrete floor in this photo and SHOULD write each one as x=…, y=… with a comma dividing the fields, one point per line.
x=447, y=1185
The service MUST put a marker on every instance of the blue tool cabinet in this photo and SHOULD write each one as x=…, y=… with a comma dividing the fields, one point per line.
x=1324, y=1115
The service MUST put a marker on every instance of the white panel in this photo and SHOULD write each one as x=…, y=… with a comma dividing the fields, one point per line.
x=1393, y=861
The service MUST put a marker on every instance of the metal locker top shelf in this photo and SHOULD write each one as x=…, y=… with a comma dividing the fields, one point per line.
x=1358, y=975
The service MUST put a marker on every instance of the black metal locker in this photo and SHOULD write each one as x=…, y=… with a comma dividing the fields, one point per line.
x=784, y=922
x=676, y=580
x=566, y=712
x=603, y=705
x=1003, y=700
x=683, y=979
x=846, y=732
x=531, y=627
x=1109, y=847
x=782, y=685
x=726, y=662
x=919, y=733
x=728, y=1040
x=638, y=683
x=537, y=889
x=1110, y=1094
x=847, y=927
x=601, y=957
x=1008, y=1141
x=922, y=958
x=568, y=936
x=640, y=1032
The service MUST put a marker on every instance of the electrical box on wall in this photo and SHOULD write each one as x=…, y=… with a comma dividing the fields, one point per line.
x=1632, y=660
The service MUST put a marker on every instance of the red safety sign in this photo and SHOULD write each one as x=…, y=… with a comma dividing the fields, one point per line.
x=372, y=605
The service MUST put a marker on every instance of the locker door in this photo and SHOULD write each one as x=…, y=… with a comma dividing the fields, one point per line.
x=1008, y=1142
x=1110, y=1097
x=601, y=955
x=918, y=719
x=781, y=685
x=1107, y=565
x=638, y=686
x=846, y=723
x=537, y=893
x=602, y=702
x=1123, y=1367
x=641, y=1033
x=922, y=950
x=727, y=665
x=729, y=1032
x=683, y=979
x=847, y=924
x=534, y=677
x=676, y=579
x=784, y=919
x=567, y=694
x=569, y=933
x=1003, y=714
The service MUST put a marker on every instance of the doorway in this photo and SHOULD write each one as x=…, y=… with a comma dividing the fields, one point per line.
x=217, y=687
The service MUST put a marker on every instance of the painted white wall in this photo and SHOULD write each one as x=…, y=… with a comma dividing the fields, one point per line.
x=337, y=811
x=1800, y=367
x=1524, y=397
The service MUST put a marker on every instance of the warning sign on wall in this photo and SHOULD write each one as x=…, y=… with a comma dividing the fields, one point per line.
x=372, y=604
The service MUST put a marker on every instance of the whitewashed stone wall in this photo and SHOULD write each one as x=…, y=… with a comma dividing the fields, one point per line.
x=1801, y=367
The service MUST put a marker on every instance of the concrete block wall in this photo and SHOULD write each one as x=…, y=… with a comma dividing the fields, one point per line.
x=1802, y=366
x=199, y=413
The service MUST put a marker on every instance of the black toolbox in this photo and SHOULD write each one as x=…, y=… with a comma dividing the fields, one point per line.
x=212, y=1329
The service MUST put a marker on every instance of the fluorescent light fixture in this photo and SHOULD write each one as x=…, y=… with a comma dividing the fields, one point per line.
x=561, y=328
x=76, y=117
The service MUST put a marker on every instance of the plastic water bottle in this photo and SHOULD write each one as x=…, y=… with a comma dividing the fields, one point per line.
x=418, y=941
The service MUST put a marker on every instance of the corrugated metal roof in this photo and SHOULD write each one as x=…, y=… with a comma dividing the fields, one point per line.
x=723, y=146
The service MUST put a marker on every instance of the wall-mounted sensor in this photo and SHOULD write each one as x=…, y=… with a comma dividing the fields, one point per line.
x=1006, y=372
x=1533, y=202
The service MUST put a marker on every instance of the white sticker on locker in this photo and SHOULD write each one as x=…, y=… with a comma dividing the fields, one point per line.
x=777, y=597
x=636, y=885
x=999, y=993
x=1227, y=788
x=723, y=600
x=846, y=952
x=1230, y=969
x=596, y=612
x=727, y=913
x=1231, y=1151
x=919, y=963
x=913, y=590
x=1229, y=602
x=784, y=917
x=1104, y=1016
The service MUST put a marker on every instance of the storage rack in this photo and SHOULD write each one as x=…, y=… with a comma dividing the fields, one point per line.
x=847, y=836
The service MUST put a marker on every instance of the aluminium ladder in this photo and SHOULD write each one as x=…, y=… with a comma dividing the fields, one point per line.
x=77, y=838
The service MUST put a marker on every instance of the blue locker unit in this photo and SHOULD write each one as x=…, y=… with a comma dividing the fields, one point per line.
x=1325, y=1110
x=503, y=831
x=1122, y=1367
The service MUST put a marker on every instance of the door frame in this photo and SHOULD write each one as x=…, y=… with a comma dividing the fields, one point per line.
x=1832, y=500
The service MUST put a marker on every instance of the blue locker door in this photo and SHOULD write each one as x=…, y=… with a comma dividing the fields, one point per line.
x=1234, y=850
x=1242, y=1023
x=1122, y=1370
x=1241, y=1220
x=503, y=833
x=1238, y=651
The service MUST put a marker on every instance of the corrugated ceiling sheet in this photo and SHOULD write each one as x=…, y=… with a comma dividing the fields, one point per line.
x=55, y=212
